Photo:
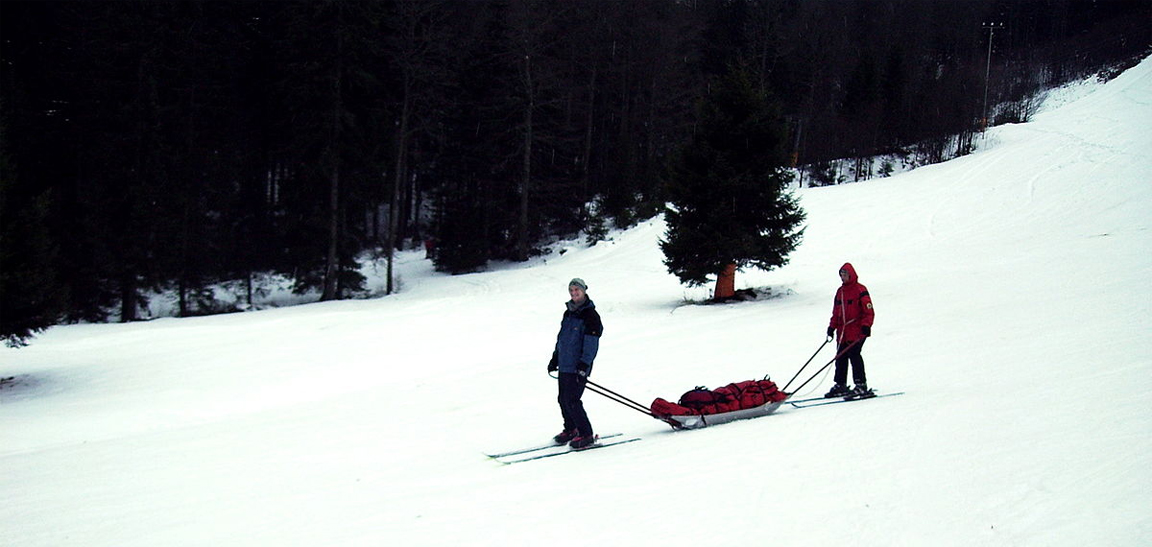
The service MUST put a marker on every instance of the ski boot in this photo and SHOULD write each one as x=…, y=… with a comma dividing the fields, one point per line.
x=838, y=390
x=583, y=442
x=861, y=391
x=566, y=436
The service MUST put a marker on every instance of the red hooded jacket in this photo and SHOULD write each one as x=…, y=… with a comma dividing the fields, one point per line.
x=852, y=308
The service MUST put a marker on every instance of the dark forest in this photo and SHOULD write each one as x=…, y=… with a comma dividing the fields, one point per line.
x=149, y=145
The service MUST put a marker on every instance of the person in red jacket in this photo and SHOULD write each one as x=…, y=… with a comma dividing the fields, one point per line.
x=852, y=317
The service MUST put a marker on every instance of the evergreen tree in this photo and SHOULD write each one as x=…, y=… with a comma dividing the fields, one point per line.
x=475, y=202
x=154, y=146
x=729, y=204
x=31, y=297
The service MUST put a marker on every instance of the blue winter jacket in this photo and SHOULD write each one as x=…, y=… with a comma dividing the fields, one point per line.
x=579, y=337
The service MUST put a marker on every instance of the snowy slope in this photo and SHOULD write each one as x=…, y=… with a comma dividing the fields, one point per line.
x=1012, y=299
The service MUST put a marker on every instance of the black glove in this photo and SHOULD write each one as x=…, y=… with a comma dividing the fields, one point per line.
x=866, y=330
x=831, y=332
x=582, y=369
x=552, y=366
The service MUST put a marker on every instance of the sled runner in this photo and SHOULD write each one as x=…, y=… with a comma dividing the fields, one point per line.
x=697, y=421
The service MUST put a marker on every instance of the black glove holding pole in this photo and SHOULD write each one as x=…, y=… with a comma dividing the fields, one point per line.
x=583, y=368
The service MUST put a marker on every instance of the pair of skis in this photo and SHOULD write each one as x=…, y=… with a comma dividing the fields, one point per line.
x=821, y=401
x=552, y=450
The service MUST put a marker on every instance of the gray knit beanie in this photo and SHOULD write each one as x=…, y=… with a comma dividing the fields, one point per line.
x=577, y=282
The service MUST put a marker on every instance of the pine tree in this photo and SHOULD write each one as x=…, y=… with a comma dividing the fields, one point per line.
x=31, y=295
x=475, y=200
x=729, y=204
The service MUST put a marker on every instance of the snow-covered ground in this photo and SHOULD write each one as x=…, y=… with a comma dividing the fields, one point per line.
x=1013, y=307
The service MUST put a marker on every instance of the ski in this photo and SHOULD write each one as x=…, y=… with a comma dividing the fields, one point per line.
x=530, y=456
x=541, y=447
x=812, y=400
x=805, y=403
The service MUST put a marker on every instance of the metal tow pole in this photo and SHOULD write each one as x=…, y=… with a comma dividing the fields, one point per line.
x=613, y=396
x=829, y=363
x=785, y=389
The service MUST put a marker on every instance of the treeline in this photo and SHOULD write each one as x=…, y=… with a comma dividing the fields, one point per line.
x=176, y=144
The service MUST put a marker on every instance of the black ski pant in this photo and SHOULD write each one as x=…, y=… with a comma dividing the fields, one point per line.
x=851, y=356
x=571, y=390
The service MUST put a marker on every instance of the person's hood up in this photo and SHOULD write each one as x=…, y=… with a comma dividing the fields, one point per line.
x=847, y=267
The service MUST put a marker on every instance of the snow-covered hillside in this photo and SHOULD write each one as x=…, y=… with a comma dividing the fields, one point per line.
x=1013, y=307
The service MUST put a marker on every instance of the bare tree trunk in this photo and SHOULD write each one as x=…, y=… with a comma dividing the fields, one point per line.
x=332, y=269
x=129, y=299
x=401, y=168
x=725, y=283
x=526, y=180
x=590, y=122
x=417, y=28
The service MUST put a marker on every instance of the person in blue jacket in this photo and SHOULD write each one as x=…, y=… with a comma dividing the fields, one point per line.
x=576, y=347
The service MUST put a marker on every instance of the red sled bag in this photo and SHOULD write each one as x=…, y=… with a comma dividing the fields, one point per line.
x=706, y=402
x=756, y=393
x=697, y=398
x=660, y=407
x=729, y=398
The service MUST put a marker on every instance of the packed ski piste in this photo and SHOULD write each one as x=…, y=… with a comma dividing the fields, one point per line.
x=1010, y=290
